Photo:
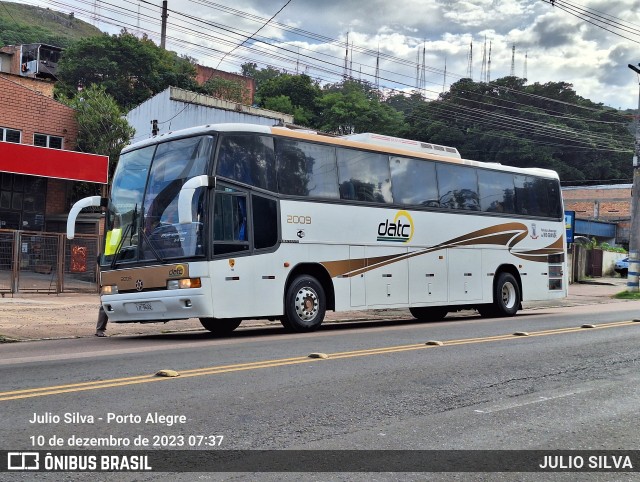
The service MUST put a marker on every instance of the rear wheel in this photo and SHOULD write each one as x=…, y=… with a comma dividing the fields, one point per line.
x=429, y=313
x=220, y=326
x=506, y=297
x=304, y=305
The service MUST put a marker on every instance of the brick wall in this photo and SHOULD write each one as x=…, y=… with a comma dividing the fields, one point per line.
x=45, y=87
x=606, y=204
x=30, y=111
x=205, y=73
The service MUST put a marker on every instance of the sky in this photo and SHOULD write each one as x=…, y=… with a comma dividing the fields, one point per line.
x=421, y=43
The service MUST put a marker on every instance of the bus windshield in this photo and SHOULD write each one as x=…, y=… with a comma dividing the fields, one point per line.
x=142, y=216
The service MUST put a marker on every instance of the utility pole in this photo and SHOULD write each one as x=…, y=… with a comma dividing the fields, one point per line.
x=163, y=30
x=634, y=234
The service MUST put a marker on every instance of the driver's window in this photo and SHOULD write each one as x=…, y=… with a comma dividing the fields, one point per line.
x=230, y=227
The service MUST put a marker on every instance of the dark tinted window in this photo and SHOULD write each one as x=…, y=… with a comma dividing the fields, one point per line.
x=364, y=176
x=306, y=169
x=40, y=140
x=458, y=187
x=265, y=222
x=248, y=159
x=413, y=181
x=555, y=198
x=497, y=192
x=531, y=196
x=55, y=142
x=230, y=223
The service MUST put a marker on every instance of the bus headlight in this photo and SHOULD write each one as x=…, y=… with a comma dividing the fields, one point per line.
x=109, y=290
x=176, y=284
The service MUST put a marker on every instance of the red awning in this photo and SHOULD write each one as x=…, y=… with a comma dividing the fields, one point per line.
x=56, y=163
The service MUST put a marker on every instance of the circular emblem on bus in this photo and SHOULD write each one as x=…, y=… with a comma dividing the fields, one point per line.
x=139, y=284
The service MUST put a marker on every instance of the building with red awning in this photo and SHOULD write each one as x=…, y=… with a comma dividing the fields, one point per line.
x=38, y=164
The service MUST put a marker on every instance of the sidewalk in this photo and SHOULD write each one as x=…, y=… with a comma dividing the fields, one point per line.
x=73, y=315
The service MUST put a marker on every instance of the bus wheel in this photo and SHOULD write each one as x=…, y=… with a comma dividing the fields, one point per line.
x=506, y=297
x=429, y=313
x=220, y=326
x=304, y=305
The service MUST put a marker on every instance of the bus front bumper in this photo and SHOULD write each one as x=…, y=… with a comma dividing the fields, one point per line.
x=157, y=306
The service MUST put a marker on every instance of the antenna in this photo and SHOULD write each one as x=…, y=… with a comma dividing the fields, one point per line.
x=526, y=57
x=423, y=71
x=489, y=64
x=346, y=59
x=513, y=60
x=378, y=69
x=444, y=82
x=470, y=66
x=418, y=69
x=483, y=69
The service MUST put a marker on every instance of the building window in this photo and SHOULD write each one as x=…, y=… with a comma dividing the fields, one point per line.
x=9, y=135
x=45, y=140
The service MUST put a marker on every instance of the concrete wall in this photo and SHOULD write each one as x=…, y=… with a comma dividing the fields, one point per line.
x=179, y=109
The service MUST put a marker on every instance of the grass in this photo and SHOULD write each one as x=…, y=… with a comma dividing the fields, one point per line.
x=627, y=295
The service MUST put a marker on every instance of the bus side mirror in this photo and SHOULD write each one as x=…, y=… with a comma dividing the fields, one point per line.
x=79, y=206
x=186, y=196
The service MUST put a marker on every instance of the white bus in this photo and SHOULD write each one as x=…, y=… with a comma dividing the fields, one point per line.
x=231, y=221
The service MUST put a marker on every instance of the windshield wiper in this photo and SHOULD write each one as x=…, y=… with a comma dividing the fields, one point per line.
x=146, y=239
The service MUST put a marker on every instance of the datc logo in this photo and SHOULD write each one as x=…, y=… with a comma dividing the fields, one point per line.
x=400, y=230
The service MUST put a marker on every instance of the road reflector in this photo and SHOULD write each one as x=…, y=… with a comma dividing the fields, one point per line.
x=167, y=373
x=588, y=325
x=521, y=333
x=318, y=355
x=434, y=343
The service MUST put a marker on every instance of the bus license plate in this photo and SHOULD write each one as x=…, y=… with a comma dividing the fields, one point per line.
x=144, y=307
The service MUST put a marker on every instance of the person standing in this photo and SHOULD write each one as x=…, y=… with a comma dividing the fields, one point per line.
x=101, y=325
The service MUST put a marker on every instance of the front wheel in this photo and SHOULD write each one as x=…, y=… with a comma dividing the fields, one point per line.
x=506, y=297
x=220, y=327
x=429, y=313
x=304, y=305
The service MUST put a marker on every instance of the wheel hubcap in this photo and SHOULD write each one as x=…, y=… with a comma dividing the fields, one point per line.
x=306, y=304
x=508, y=295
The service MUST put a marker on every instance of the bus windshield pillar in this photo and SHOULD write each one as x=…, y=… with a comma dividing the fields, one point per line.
x=186, y=196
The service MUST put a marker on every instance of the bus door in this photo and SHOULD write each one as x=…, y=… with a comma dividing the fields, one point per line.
x=232, y=276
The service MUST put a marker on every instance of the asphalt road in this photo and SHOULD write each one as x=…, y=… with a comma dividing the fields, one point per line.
x=562, y=387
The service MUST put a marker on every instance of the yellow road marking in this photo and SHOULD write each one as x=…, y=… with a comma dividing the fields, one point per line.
x=150, y=378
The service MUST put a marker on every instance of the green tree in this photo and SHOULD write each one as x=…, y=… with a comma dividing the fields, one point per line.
x=351, y=107
x=282, y=103
x=302, y=91
x=230, y=90
x=130, y=69
x=102, y=129
x=250, y=69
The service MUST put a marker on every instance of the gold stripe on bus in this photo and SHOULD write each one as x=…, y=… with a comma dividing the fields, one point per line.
x=508, y=235
x=151, y=276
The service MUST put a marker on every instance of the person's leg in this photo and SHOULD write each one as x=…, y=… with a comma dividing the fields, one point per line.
x=101, y=326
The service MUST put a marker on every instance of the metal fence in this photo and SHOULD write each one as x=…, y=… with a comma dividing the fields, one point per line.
x=48, y=262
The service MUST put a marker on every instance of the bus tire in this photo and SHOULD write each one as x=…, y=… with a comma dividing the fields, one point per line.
x=506, y=297
x=304, y=305
x=220, y=326
x=429, y=313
